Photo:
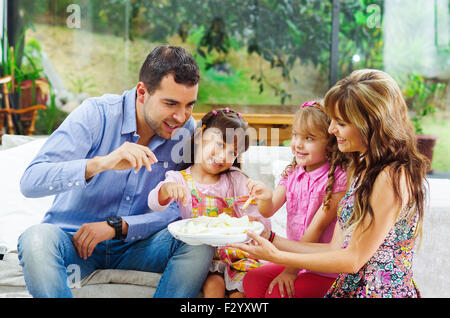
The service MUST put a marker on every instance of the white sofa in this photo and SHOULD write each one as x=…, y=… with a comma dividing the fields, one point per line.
x=265, y=163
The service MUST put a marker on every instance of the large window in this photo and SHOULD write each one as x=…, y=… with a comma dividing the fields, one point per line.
x=251, y=52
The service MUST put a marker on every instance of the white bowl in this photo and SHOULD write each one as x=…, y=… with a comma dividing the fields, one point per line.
x=212, y=239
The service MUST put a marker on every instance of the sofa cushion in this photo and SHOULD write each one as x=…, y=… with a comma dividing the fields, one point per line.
x=120, y=276
x=127, y=283
x=17, y=212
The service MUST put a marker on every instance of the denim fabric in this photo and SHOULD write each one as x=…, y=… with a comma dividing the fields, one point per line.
x=50, y=261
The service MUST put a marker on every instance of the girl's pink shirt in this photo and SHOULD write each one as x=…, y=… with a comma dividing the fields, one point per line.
x=305, y=192
x=230, y=184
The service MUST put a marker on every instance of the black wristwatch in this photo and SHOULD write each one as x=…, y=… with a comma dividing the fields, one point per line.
x=116, y=222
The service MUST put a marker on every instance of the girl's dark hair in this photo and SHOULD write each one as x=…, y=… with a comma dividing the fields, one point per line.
x=164, y=60
x=226, y=121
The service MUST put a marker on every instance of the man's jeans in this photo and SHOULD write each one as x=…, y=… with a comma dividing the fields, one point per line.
x=50, y=261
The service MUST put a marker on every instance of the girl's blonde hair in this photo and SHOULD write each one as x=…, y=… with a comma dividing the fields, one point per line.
x=311, y=120
x=372, y=101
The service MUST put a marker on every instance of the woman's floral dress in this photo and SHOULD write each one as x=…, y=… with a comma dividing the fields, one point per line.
x=388, y=273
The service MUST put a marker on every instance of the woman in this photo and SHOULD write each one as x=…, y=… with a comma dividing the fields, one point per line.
x=380, y=216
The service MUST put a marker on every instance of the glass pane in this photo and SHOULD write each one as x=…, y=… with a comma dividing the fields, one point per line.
x=411, y=43
x=249, y=51
x=360, y=36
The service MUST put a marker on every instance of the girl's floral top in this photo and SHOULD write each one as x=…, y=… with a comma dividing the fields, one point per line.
x=388, y=273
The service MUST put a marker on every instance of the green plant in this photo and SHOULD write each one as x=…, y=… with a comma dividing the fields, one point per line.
x=22, y=67
x=81, y=83
x=421, y=95
x=50, y=119
x=281, y=32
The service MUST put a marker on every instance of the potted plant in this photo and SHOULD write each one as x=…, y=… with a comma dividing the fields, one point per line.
x=29, y=86
x=421, y=95
x=31, y=76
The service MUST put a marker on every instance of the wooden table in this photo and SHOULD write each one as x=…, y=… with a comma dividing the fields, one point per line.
x=272, y=123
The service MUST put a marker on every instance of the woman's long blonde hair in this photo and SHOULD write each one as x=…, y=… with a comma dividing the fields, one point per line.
x=373, y=102
x=312, y=120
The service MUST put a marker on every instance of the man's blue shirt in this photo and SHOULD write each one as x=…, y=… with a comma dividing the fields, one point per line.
x=96, y=128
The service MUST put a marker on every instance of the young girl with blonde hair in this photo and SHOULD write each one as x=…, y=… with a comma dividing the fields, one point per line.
x=380, y=216
x=311, y=186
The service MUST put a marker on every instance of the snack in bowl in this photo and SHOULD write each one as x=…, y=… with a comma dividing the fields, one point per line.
x=222, y=224
x=215, y=231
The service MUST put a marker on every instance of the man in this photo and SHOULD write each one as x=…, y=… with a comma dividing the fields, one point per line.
x=101, y=163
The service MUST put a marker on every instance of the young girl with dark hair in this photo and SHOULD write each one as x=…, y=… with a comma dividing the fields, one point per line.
x=211, y=183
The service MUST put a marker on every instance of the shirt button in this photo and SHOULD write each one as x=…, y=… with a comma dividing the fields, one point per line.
x=69, y=184
x=77, y=183
x=50, y=188
x=133, y=238
x=127, y=198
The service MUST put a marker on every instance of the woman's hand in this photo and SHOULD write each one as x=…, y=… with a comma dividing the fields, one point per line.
x=266, y=232
x=259, y=248
x=173, y=190
x=285, y=281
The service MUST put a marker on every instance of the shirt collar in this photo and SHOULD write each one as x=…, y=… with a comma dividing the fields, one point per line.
x=129, y=112
x=315, y=174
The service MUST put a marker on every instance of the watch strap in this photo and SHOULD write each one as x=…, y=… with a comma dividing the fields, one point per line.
x=117, y=225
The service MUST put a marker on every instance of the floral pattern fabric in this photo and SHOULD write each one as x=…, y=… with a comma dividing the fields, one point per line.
x=388, y=273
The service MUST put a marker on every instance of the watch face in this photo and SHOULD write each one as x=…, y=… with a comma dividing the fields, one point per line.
x=114, y=219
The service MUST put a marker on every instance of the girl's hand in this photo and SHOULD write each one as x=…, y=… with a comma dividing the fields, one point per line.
x=259, y=190
x=285, y=281
x=173, y=190
x=259, y=248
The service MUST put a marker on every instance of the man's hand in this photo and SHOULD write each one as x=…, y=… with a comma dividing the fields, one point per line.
x=173, y=190
x=129, y=155
x=89, y=235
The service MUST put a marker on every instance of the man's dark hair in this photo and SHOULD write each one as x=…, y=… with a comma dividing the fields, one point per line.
x=164, y=60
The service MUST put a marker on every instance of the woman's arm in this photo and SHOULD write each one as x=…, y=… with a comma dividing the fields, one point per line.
x=308, y=243
x=284, y=244
x=362, y=245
